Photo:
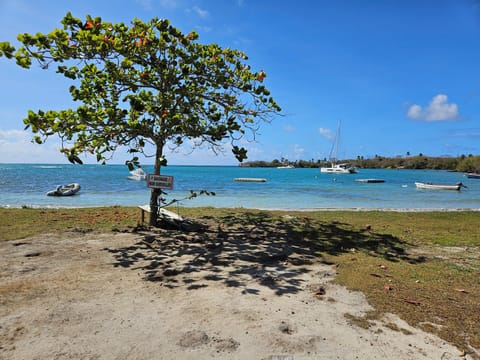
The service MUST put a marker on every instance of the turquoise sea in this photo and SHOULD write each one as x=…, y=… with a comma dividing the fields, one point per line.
x=299, y=189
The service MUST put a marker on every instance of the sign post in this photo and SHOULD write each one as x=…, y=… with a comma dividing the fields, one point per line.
x=159, y=181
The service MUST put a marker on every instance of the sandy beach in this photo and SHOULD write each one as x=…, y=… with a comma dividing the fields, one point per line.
x=145, y=295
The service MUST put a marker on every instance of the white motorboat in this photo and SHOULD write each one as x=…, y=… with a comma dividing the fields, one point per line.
x=335, y=168
x=286, y=167
x=137, y=175
x=422, y=185
x=65, y=190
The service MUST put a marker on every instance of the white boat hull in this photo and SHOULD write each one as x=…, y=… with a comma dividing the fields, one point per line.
x=339, y=169
x=421, y=185
x=137, y=175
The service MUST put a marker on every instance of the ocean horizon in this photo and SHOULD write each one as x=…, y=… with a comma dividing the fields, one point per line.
x=26, y=185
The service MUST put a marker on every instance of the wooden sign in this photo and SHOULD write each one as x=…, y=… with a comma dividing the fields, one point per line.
x=159, y=181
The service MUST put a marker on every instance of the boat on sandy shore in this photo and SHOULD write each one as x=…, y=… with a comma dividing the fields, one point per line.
x=65, y=190
x=422, y=185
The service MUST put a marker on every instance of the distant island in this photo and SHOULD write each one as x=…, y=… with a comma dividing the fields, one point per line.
x=463, y=163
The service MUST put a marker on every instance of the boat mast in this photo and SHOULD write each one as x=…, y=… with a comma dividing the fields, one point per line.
x=336, y=140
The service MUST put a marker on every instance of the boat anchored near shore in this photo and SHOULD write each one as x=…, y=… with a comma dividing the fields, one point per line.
x=137, y=175
x=65, y=190
x=335, y=168
x=422, y=185
x=370, y=180
x=250, y=180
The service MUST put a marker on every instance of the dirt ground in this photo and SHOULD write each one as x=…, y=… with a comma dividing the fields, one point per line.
x=158, y=295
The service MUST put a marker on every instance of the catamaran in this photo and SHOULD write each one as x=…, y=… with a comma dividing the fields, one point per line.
x=334, y=168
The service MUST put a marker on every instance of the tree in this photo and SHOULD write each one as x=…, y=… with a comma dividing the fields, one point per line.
x=469, y=164
x=144, y=83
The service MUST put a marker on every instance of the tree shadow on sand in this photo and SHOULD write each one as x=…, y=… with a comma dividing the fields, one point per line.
x=248, y=250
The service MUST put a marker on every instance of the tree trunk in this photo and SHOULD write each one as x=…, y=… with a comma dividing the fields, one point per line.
x=155, y=193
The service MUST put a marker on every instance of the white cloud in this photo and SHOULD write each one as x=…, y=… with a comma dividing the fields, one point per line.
x=16, y=147
x=146, y=4
x=6, y=135
x=326, y=133
x=298, y=151
x=169, y=4
x=465, y=133
x=202, y=157
x=200, y=12
x=191, y=152
x=437, y=110
x=203, y=29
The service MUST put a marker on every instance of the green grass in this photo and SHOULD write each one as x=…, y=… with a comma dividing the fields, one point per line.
x=25, y=222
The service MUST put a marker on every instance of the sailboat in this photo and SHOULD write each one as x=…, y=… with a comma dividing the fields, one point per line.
x=334, y=168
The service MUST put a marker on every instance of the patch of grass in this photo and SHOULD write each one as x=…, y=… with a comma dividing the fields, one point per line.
x=25, y=222
x=434, y=295
x=395, y=327
x=21, y=289
x=365, y=321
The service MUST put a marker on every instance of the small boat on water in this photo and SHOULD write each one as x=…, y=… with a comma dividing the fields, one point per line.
x=422, y=185
x=137, y=175
x=250, y=180
x=473, y=175
x=370, y=181
x=65, y=190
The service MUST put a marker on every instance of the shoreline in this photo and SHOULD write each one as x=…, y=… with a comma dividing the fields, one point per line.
x=319, y=209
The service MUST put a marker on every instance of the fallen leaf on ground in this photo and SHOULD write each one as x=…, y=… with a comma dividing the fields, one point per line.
x=413, y=302
x=320, y=291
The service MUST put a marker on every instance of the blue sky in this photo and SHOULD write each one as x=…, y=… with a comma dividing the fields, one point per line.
x=402, y=76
